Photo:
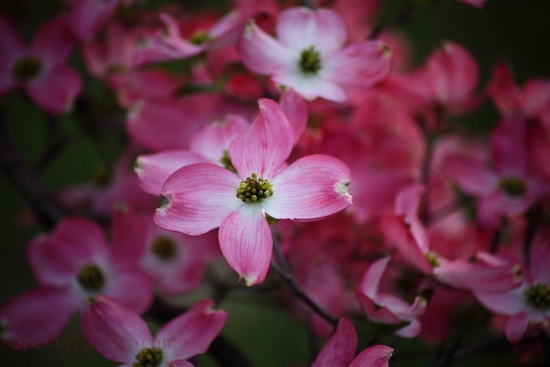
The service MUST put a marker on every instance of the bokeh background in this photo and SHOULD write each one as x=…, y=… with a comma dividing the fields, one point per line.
x=515, y=30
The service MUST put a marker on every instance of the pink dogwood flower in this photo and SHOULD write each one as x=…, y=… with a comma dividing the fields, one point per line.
x=204, y=196
x=120, y=335
x=41, y=68
x=310, y=55
x=339, y=351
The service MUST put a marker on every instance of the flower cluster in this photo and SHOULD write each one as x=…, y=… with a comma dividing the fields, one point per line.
x=278, y=150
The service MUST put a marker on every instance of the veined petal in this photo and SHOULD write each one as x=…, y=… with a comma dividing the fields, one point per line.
x=313, y=187
x=56, y=90
x=154, y=169
x=360, y=65
x=296, y=110
x=191, y=333
x=340, y=348
x=507, y=303
x=262, y=54
x=375, y=356
x=246, y=243
x=114, y=330
x=312, y=86
x=199, y=197
x=266, y=145
x=300, y=28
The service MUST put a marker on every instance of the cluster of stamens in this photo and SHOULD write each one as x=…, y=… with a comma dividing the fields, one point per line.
x=226, y=161
x=310, y=60
x=148, y=357
x=164, y=248
x=254, y=189
x=538, y=296
x=200, y=37
x=432, y=259
x=91, y=278
x=26, y=68
x=512, y=186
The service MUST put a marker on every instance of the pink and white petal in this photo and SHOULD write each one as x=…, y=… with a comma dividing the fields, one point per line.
x=359, y=66
x=246, y=243
x=114, y=330
x=505, y=303
x=339, y=350
x=375, y=312
x=56, y=90
x=300, y=28
x=410, y=331
x=57, y=257
x=37, y=316
x=199, y=197
x=472, y=176
x=296, y=110
x=371, y=280
x=88, y=16
x=192, y=333
x=310, y=87
x=453, y=74
x=211, y=140
x=266, y=145
x=154, y=169
x=375, y=356
x=133, y=288
x=313, y=187
x=53, y=42
x=264, y=55
x=516, y=327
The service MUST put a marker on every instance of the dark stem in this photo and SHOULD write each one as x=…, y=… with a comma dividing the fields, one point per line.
x=284, y=272
x=46, y=208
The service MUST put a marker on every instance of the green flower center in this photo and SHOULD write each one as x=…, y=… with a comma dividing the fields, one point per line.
x=200, y=37
x=512, y=186
x=91, y=278
x=310, y=60
x=226, y=161
x=148, y=357
x=432, y=259
x=538, y=296
x=26, y=68
x=164, y=248
x=254, y=189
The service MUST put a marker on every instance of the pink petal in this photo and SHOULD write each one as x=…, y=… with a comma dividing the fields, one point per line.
x=339, y=350
x=154, y=169
x=180, y=363
x=199, y=197
x=473, y=177
x=36, y=317
x=296, y=110
x=359, y=66
x=266, y=145
x=192, y=333
x=509, y=148
x=311, y=87
x=211, y=140
x=503, y=90
x=371, y=280
x=516, y=327
x=134, y=289
x=375, y=312
x=11, y=44
x=262, y=54
x=53, y=42
x=313, y=187
x=57, y=257
x=246, y=243
x=375, y=356
x=162, y=124
x=505, y=303
x=114, y=330
x=56, y=90
x=300, y=28
x=128, y=238
x=88, y=16
x=453, y=74
x=540, y=258
x=536, y=97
